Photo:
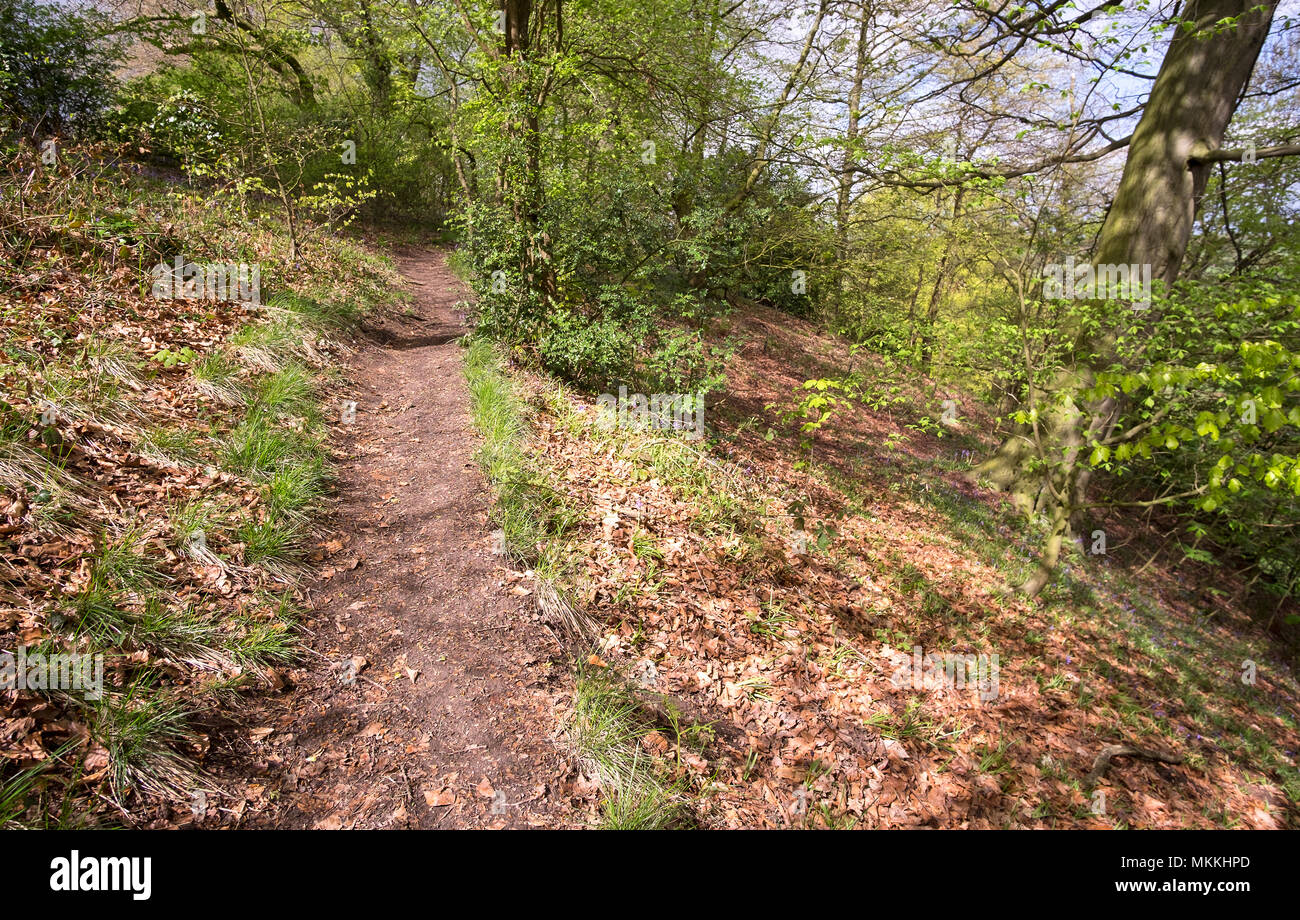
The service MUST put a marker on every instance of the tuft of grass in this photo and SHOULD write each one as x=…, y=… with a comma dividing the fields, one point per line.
x=257, y=447
x=26, y=793
x=113, y=361
x=771, y=621
x=182, y=633
x=261, y=643
x=268, y=346
x=327, y=314
x=169, y=445
x=53, y=495
x=93, y=386
x=993, y=759
x=910, y=723
x=605, y=732
x=100, y=614
x=124, y=562
x=170, y=630
x=217, y=377
x=297, y=489
x=17, y=792
x=276, y=545
x=640, y=808
x=643, y=546
x=190, y=519
x=145, y=732
x=289, y=392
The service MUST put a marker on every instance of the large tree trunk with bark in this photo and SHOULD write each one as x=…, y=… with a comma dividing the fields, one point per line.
x=1196, y=92
x=1201, y=79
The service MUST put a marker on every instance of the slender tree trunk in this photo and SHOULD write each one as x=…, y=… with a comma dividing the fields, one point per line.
x=845, y=195
x=768, y=129
x=525, y=198
x=947, y=267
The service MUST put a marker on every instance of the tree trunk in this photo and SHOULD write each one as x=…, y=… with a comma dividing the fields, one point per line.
x=845, y=195
x=947, y=268
x=1193, y=99
x=1204, y=72
x=768, y=127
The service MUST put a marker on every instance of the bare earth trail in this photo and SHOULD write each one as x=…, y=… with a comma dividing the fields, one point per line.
x=432, y=704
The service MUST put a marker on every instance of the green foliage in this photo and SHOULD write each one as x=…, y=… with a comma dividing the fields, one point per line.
x=1213, y=417
x=169, y=359
x=683, y=361
x=56, y=73
x=591, y=351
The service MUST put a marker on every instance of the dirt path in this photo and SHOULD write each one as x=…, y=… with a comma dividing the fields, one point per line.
x=445, y=716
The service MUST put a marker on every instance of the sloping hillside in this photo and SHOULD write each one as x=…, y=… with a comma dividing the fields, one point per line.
x=775, y=594
x=163, y=460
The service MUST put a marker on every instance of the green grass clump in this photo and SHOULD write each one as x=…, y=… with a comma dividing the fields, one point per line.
x=189, y=519
x=531, y=515
x=289, y=392
x=605, y=731
x=258, y=447
x=28, y=793
x=296, y=490
x=640, y=809
x=327, y=313
x=125, y=562
x=271, y=543
x=145, y=731
x=265, y=642
x=268, y=346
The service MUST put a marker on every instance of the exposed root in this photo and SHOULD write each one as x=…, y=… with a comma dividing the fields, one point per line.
x=1110, y=752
